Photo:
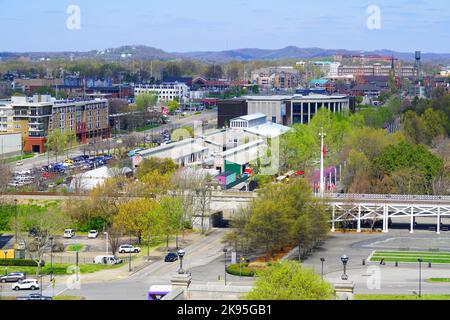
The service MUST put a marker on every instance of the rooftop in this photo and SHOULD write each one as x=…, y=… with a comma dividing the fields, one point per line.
x=268, y=130
x=253, y=116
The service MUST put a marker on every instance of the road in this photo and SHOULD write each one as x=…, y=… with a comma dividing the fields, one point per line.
x=42, y=160
x=204, y=259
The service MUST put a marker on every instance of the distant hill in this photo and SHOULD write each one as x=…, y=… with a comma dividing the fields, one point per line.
x=149, y=53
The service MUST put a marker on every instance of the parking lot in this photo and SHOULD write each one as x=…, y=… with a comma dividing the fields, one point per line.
x=57, y=175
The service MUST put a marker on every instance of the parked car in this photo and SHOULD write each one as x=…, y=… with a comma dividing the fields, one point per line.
x=92, y=234
x=111, y=260
x=171, y=257
x=127, y=248
x=15, y=184
x=69, y=233
x=13, y=277
x=34, y=297
x=27, y=284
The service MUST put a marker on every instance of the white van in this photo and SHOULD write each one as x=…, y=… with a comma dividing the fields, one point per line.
x=107, y=260
x=69, y=233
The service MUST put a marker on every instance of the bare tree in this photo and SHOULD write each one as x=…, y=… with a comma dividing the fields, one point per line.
x=184, y=181
x=44, y=226
x=114, y=236
x=132, y=140
x=203, y=192
x=5, y=175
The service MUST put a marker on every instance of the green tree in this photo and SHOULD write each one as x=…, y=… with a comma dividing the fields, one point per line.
x=394, y=105
x=68, y=139
x=171, y=213
x=132, y=216
x=173, y=106
x=290, y=281
x=162, y=166
x=146, y=101
x=414, y=128
x=56, y=141
x=408, y=156
x=434, y=123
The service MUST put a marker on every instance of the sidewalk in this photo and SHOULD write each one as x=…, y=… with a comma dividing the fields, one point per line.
x=138, y=264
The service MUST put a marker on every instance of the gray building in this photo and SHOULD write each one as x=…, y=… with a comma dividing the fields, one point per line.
x=283, y=109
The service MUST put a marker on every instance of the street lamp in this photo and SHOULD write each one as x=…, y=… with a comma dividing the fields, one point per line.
x=106, y=234
x=322, y=260
x=5, y=252
x=181, y=253
x=129, y=262
x=344, y=260
x=225, y=250
x=15, y=223
x=51, y=258
x=420, y=276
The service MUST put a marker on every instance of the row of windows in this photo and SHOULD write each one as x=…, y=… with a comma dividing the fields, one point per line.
x=239, y=124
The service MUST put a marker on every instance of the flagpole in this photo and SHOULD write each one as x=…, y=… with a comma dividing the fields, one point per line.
x=322, y=166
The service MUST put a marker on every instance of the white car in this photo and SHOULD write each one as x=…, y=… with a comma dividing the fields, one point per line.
x=69, y=233
x=27, y=284
x=92, y=234
x=127, y=248
x=19, y=164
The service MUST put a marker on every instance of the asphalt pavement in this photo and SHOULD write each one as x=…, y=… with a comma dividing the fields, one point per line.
x=204, y=260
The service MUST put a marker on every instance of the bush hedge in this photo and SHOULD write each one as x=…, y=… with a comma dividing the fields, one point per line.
x=20, y=263
x=235, y=270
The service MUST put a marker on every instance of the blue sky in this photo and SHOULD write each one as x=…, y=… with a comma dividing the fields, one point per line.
x=199, y=25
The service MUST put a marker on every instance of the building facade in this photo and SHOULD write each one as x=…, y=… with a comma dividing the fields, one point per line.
x=34, y=119
x=276, y=77
x=285, y=110
x=166, y=92
x=377, y=69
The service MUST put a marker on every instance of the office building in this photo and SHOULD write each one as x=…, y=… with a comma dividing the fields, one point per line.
x=284, y=110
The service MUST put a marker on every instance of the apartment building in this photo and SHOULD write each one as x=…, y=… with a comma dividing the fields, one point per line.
x=35, y=118
x=377, y=69
x=166, y=91
x=276, y=77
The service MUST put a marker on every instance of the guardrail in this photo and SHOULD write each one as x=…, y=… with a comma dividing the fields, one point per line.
x=350, y=196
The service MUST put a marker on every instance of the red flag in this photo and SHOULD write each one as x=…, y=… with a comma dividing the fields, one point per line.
x=324, y=151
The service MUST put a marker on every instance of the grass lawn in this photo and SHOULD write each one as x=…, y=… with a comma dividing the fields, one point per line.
x=19, y=158
x=146, y=128
x=411, y=257
x=78, y=247
x=401, y=297
x=438, y=280
x=58, y=269
x=68, y=298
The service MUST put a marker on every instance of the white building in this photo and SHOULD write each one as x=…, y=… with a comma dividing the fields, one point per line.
x=95, y=178
x=10, y=144
x=166, y=92
x=183, y=153
x=248, y=121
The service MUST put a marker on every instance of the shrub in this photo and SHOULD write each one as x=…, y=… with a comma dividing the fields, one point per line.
x=235, y=270
x=21, y=263
x=59, y=247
